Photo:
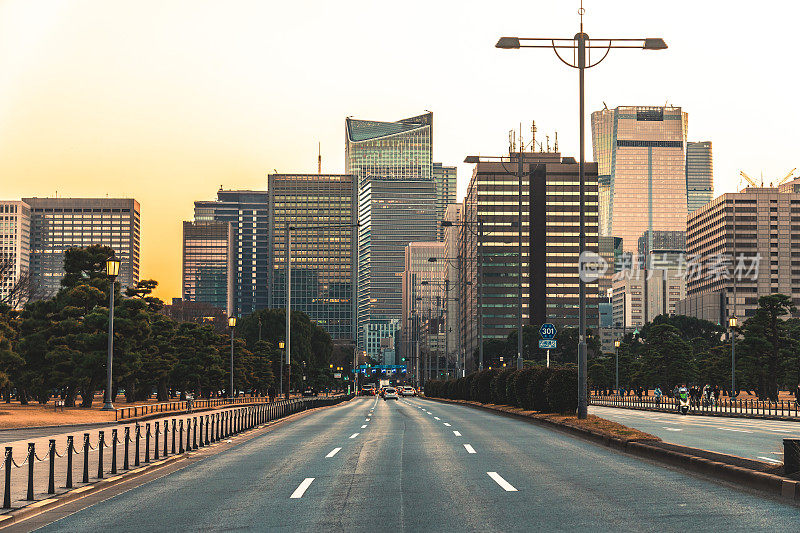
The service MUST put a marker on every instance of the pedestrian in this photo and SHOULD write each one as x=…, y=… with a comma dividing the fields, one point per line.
x=657, y=394
x=271, y=394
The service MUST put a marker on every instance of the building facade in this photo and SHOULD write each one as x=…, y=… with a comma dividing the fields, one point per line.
x=247, y=211
x=641, y=156
x=550, y=224
x=641, y=295
x=742, y=243
x=392, y=213
x=699, y=174
x=322, y=209
x=445, y=179
x=452, y=236
x=15, y=253
x=209, y=264
x=58, y=224
x=401, y=150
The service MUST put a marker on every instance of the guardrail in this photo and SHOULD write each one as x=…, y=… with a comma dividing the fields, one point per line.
x=159, y=441
x=134, y=411
x=751, y=408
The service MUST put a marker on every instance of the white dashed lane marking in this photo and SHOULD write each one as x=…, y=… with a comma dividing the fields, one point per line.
x=299, y=491
x=508, y=487
x=446, y=424
x=354, y=435
x=362, y=427
x=333, y=452
x=469, y=448
x=456, y=433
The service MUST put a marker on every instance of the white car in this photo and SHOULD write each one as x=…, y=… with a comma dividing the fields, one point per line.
x=390, y=393
x=407, y=391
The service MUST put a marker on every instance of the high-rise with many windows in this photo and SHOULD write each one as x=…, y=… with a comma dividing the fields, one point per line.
x=247, y=211
x=699, y=174
x=641, y=157
x=58, y=224
x=15, y=252
x=321, y=210
x=209, y=265
x=445, y=179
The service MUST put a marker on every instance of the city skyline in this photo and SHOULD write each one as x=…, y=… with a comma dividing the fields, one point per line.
x=141, y=114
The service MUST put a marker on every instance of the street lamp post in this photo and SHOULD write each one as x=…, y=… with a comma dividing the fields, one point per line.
x=733, y=322
x=112, y=271
x=581, y=46
x=282, y=346
x=232, y=326
x=616, y=365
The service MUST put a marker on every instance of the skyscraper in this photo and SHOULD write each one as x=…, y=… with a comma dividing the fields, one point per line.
x=15, y=253
x=209, y=264
x=641, y=157
x=323, y=256
x=58, y=224
x=445, y=179
x=247, y=211
x=699, y=174
x=399, y=150
x=392, y=214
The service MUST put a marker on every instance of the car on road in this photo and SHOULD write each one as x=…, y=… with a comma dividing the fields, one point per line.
x=368, y=389
x=407, y=391
x=390, y=393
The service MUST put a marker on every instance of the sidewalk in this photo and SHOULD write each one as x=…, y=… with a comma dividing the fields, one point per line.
x=781, y=410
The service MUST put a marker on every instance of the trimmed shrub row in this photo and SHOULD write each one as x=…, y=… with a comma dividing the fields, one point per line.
x=547, y=390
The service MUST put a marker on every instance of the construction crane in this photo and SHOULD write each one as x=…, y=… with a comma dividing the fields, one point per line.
x=786, y=177
x=748, y=178
x=781, y=181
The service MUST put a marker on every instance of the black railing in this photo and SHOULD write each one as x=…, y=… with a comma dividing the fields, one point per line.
x=202, y=429
x=723, y=406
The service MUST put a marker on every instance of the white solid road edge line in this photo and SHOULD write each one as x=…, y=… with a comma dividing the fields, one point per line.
x=299, y=491
x=333, y=452
x=354, y=435
x=508, y=487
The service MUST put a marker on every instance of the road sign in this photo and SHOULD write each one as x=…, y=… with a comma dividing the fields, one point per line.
x=337, y=375
x=547, y=331
x=547, y=344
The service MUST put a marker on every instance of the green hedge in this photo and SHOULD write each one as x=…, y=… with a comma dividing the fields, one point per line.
x=548, y=390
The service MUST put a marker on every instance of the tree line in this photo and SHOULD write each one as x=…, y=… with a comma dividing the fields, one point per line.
x=58, y=346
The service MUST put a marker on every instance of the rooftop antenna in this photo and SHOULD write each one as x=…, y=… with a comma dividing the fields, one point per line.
x=512, y=141
x=581, y=11
x=548, y=143
x=605, y=106
x=555, y=148
x=533, y=135
x=521, y=142
x=319, y=158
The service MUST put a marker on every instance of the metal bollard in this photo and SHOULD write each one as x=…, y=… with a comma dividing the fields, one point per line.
x=31, y=459
x=147, y=443
x=211, y=421
x=70, y=451
x=51, y=482
x=188, y=434
x=7, y=490
x=218, y=424
x=136, y=445
x=125, y=463
x=201, y=431
x=100, y=445
x=166, y=427
x=86, y=458
x=180, y=438
x=194, y=434
x=173, y=436
x=207, y=421
x=114, y=441
x=155, y=444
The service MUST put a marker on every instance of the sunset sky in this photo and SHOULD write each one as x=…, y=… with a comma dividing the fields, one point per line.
x=167, y=100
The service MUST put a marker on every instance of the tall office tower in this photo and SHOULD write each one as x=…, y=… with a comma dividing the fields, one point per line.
x=699, y=174
x=15, y=253
x=392, y=214
x=744, y=244
x=209, y=264
x=550, y=245
x=662, y=249
x=424, y=296
x=247, y=211
x=641, y=295
x=641, y=155
x=401, y=150
x=58, y=224
x=452, y=234
x=446, y=182
x=323, y=210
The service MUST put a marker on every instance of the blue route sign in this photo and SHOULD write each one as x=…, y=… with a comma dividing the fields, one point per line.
x=547, y=344
x=547, y=331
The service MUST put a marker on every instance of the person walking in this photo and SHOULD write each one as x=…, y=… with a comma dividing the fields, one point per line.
x=271, y=394
x=657, y=394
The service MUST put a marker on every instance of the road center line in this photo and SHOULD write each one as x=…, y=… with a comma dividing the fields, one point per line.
x=736, y=430
x=508, y=487
x=446, y=424
x=456, y=433
x=436, y=418
x=362, y=427
x=333, y=452
x=354, y=435
x=469, y=448
x=299, y=491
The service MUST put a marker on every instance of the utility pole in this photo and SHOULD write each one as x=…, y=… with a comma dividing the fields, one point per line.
x=519, y=231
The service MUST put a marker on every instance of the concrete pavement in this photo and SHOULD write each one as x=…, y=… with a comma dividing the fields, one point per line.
x=426, y=466
x=757, y=439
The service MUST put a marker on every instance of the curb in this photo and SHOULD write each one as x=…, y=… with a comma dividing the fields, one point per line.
x=702, y=413
x=57, y=500
x=785, y=488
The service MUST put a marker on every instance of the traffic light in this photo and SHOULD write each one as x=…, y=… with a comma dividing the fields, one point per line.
x=403, y=359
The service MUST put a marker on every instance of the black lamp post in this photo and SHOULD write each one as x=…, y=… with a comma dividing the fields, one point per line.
x=112, y=271
x=232, y=326
x=581, y=46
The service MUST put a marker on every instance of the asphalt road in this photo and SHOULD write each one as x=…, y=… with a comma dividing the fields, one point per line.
x=761, y=440
x=418, y=465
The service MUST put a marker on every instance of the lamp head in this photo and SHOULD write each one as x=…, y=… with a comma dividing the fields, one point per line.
x=654, y=43
x=507, y=43
x=281, y=345
x=733, y=322
x=232, y=322
x=112, y=267
x=617, y=343
x=432, y=260
x=446, y=223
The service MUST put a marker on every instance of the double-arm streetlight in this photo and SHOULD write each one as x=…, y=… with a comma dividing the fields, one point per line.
x=581, y=46
x=112, y=271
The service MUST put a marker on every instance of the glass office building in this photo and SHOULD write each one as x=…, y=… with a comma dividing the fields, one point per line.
x=445, y=180
x=209, y=264
x=247, y=212
x=641, y=157
x=699, y=174
x=399, y=150
x=322, y=208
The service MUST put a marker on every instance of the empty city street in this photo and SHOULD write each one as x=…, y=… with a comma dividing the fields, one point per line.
x=418, y=465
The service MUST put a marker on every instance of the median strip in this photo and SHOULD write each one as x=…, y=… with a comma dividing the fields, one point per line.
x=300, y=490
x=508, y=487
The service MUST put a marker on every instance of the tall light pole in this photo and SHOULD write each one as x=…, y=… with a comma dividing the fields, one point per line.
x=112, y=271
x=616, y=365
x=581, y=46
x=733, y=322
x=231, y=326
x=282, y=347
